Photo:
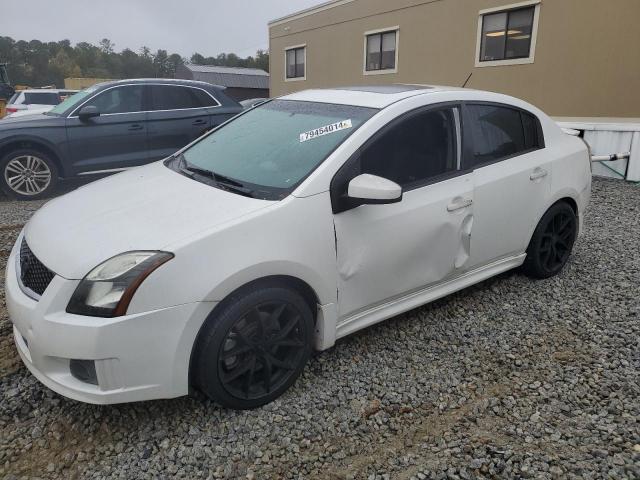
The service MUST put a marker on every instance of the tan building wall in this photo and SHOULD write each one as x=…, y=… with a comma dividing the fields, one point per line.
x=587, y=56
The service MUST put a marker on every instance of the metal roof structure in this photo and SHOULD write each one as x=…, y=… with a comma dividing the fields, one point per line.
x=233, y=77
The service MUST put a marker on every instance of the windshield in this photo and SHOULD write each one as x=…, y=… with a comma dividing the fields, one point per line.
x=276, y=145
x=72, y=101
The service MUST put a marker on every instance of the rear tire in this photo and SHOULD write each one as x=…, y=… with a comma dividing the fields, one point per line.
x=552, y=242
x=254, y=348
x=28, y=174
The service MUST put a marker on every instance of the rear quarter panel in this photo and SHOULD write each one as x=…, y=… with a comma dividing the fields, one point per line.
x=571, y=176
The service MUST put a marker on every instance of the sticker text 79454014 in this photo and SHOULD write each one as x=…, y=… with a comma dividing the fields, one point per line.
x=326, y=130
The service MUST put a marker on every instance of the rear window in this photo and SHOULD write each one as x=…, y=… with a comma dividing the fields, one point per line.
x=44, y=98
x=14, y=98
x=501, y=132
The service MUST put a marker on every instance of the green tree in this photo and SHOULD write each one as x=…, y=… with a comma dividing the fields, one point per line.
x=38, y=64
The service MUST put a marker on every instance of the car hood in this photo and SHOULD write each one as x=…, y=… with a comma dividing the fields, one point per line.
x=25, y=121
x=146, y=208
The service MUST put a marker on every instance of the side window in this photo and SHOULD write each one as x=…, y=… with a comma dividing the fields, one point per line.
x=500, y=132
x=415, y=150
x=127, y=99
x=203, y=98
x=532, y=130
x=173, y=97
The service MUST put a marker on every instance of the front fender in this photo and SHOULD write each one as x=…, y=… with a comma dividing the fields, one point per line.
x=56, y=145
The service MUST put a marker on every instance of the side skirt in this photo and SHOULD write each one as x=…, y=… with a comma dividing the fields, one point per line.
x=416, y=299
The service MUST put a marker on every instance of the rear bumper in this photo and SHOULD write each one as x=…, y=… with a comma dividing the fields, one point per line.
x=137, y=357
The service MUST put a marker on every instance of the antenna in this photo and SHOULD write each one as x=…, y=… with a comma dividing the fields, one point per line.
x=467, y=80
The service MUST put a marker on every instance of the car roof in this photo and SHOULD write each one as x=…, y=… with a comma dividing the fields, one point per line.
x=376, y=96
x=176, y=81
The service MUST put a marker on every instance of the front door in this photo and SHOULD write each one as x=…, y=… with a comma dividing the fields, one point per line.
x=512, y=179
x=115, y=139
x=386, y=251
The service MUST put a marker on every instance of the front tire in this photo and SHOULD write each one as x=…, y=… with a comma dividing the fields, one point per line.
x=28, y=174
x=552, y=242
x=254, y=348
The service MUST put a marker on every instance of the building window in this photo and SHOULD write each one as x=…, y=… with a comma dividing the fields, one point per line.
x=507, y=36
x=296, y=59
x=381, y=51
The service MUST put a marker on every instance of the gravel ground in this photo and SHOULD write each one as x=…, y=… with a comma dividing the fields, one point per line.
x=511, y=378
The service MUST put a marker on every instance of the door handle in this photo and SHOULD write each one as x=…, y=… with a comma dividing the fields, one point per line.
x=538, y=173
x=199, y=122
x=135, y=126
x=459, y=204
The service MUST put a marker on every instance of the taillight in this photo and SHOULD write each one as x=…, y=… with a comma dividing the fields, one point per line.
x=11, y=110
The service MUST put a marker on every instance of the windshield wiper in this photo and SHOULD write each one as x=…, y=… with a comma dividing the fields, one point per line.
x=222, y=181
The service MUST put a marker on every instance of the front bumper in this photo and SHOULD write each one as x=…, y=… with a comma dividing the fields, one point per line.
x=137, y=357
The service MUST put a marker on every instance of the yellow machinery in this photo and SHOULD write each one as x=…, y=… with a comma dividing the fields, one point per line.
x=6, y=91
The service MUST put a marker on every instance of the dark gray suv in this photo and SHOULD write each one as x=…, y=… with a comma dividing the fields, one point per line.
x=107, y=128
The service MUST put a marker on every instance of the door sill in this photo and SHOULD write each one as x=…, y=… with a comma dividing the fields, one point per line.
x=416, y=299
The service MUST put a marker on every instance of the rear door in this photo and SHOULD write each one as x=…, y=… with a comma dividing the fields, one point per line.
x=114, y=140
x=179, y=115
x=512, y=179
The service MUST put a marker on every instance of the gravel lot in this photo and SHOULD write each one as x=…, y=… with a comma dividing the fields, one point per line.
x=511, y=378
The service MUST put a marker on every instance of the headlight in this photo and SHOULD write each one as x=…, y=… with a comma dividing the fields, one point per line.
x=108, y=289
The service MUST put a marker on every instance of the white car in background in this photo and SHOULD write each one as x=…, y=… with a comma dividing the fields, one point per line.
x=294, y=224
x=34, y=101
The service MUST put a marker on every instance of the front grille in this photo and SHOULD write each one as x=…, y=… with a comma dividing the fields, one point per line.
x=33, y=274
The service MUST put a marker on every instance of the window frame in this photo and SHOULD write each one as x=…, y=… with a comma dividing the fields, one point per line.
x=381, y=32
x=534, y=34
x=146, y=100
x=341, y=203
x=302, y=47
x=468, y=160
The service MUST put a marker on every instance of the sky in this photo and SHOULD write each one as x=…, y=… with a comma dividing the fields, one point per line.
x=208, y=27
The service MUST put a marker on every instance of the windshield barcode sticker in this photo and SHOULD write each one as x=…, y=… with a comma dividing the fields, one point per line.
x=326, y=130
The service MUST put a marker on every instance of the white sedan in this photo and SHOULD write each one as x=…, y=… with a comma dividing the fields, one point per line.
x=294, y=224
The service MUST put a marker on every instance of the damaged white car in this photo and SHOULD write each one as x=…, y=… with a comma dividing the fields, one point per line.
x=296, y=223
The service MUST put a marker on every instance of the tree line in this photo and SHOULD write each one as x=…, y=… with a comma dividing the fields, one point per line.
x=37, y=64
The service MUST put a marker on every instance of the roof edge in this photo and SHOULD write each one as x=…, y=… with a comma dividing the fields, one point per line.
x=308, y=11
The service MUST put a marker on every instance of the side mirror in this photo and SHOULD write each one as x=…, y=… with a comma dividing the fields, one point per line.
x=88, y=112
x=371, y=189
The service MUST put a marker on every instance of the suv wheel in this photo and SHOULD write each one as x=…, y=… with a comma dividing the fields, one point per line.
x=28, y=175
x=255, y=348
x=552, y=242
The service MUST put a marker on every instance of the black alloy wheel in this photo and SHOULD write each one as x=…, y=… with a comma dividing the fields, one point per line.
x=261, y=350
x=552, y=242
x=254, y=347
